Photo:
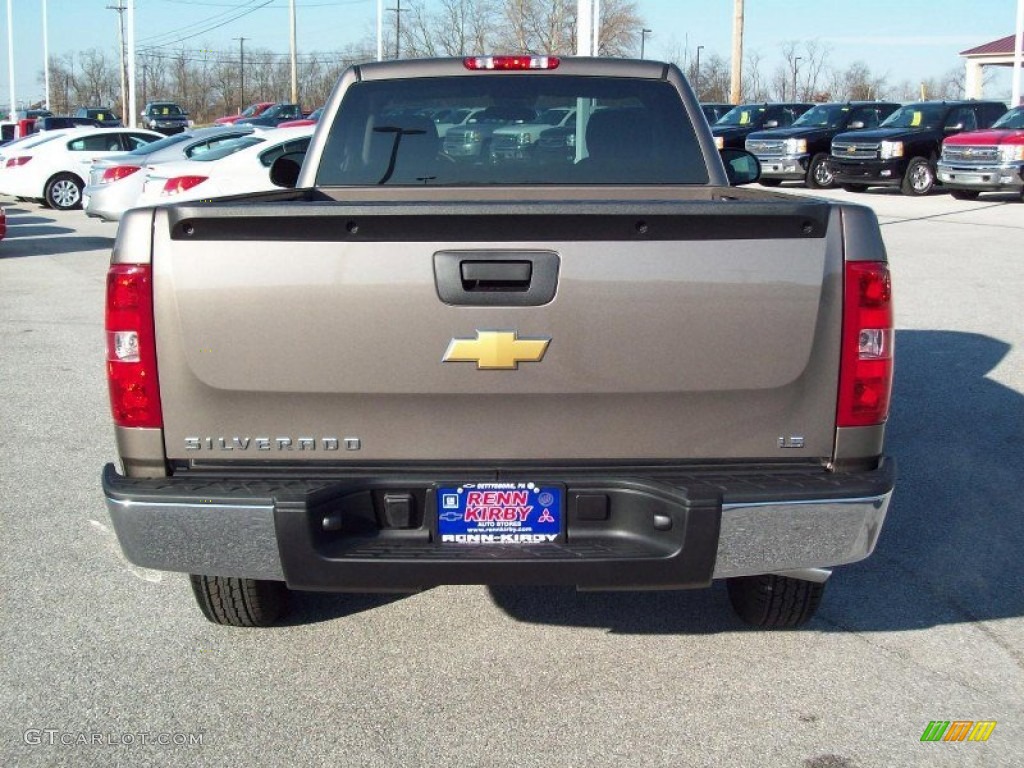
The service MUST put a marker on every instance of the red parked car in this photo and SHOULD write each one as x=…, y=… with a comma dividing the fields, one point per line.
x=3, y=224
x=991, y=160
x=251, y=111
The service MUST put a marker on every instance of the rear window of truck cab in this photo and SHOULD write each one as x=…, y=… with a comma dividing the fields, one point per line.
x=625, y=131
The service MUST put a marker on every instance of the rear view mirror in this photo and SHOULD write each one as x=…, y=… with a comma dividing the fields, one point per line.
x=740, y=166
x=285, y=170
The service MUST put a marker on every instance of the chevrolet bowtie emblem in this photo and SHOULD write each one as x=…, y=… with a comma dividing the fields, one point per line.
x=496, y=350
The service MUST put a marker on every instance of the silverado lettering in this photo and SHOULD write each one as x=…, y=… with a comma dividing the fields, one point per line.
x=714, y=407
x=261, y=443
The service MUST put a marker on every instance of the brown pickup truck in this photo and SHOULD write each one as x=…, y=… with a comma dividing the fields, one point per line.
x=619, y=370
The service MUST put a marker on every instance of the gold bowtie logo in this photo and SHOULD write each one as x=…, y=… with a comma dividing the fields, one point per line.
x=496, y=350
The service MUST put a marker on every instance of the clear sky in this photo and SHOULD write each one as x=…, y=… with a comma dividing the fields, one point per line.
x=903, y=39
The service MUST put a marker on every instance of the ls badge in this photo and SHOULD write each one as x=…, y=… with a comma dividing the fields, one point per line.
x=496, y=350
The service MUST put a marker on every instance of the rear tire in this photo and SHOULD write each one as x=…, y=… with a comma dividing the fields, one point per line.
x=64, y=192
x=771, y=601
x=963, y=194
x=855, y=187
x=237, y=602
x=819, y=175
x=919, y=179
x=769, y=182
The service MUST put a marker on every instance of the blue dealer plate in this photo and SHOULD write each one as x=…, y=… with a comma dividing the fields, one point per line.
x=499, y=513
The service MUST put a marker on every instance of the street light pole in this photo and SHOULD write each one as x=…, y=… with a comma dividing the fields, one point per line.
x=295, y=70
x=124, y=75
x=696, y=73
x=133, y=106
x=796, y=61
x=46, y=57
x=643, y=39
x=10, y=59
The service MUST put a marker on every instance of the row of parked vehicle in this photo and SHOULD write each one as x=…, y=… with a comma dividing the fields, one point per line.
x=93, y=162
x=855, y=145
x=108, y=170
x=967, y=147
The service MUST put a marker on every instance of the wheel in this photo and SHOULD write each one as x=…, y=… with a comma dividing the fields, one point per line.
x=771, y=601
x=64, y=192
x=769, y=182
x=819, y=174
x=919, y=178
x=964, y=194
x=855, y=187
x=237, y=602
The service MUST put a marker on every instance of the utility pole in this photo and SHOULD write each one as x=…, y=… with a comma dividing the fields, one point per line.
x=736, y=86
x=124, y=86
x=696, y=72
x=295, y=71
x=398, y=10
x=241, y=72
x=145, y=71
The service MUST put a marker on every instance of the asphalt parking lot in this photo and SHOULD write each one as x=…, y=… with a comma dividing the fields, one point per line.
x=931, y=627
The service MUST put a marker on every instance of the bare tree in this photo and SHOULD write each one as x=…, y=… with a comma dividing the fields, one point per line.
x=97, y=81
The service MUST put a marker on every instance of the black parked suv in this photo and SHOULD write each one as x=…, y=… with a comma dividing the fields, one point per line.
x=164, y=117
x=739, y=122
x=903, y=151
x=800, y=152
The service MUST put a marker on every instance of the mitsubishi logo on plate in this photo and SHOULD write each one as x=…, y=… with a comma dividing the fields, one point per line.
x=496, y=350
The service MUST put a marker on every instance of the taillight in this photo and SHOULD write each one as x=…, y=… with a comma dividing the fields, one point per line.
x=131, y=347
x=865, y=372
x=511, y=62
x=181, y=183
x=117, y=172
x=16, y=161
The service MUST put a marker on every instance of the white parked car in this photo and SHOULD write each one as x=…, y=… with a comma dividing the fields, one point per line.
x=53, y=170
x=115, y=183
x=233, y=168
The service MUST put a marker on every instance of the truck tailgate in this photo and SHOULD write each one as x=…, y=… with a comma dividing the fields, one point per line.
x=316, y=332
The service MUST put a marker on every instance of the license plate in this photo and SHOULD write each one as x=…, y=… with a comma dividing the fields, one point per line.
x=499, y=513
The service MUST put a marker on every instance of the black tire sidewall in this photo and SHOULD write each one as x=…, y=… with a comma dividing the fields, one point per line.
x=907, y=187
x=48, y=192
x=819, y=159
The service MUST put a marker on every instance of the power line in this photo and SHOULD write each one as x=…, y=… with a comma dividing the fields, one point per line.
x=210, y=28
x=194, y=24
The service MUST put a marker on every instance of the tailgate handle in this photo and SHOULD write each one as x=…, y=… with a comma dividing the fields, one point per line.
x=496, y=275
x=496, y=278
